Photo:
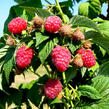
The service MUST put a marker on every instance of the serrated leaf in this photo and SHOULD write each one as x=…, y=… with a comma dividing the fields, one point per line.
x=101, y=84
x=73, y=47
x=83, y=71
x=56, y=100
x=30, y=44
x=90, y=9
x=33, y=88
x=70, y=73
x=40, y=12
x=99, y=39
x=9, y=62
x=1, y=88
x=32, y=3
x=104, y=28
x=40, y=38
x=15, y=96
x=34, y=94
x=45, y=49
x=104, y=69
x=89, y=92
x=83, y=21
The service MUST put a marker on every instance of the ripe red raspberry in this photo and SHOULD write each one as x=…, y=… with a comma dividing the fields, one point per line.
x=88, y=59
x=52, y=88
x=81, y=51
x=24, y=57
x=17, y=25
x=61, y=58
x=52, y=24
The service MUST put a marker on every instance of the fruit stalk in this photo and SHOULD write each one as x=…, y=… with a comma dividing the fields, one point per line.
x=59, y=8
x=65, y=84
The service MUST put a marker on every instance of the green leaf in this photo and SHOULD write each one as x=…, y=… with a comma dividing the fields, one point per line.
x=83, y=21
x=56, y=100
x=30, y=44
x=98, y=20
x=32, y=3
x=70, y=73
x=89, y=92
x=34, y=94
x=104, y=28
x=15, y=96
x=104, y=69
x=101, y=84
x=83, y=71
x=98, y=39
x=45, y=49
x=90, y=9
x=9, y=62
x=40, y=12
x=73, y=47
x=33, y=89
x=1, y=88
x=40, y=38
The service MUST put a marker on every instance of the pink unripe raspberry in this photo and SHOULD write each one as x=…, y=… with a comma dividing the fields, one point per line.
x=17, y=25
x=52, y=88
x=24, y=57
x=52, y=24
x=61, y=58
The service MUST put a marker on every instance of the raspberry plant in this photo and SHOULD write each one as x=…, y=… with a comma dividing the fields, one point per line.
x=74, y=50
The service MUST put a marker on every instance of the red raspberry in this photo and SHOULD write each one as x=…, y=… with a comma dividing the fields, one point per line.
x=88, y=59
x=24, y=57
x=52, y=88
x=52, y=24
x=61, y=58
x=17, y=25
x=81, y=51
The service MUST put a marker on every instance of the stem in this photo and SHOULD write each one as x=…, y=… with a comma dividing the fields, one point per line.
x=60, y=10
x=65, y=84
x=48, y=2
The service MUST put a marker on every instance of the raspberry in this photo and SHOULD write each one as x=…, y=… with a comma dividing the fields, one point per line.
x=37, y=22
x=61, y=58
x=88, y=59
x=24, y=57
x=52, y=24
x=52, y=88
x=77, y=62
x=81, y=51
x=17, y=25
x=66, y=30
x=87, y=44
x=78, y=35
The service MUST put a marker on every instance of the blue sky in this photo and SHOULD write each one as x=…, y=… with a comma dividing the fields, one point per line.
x=6, y=4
